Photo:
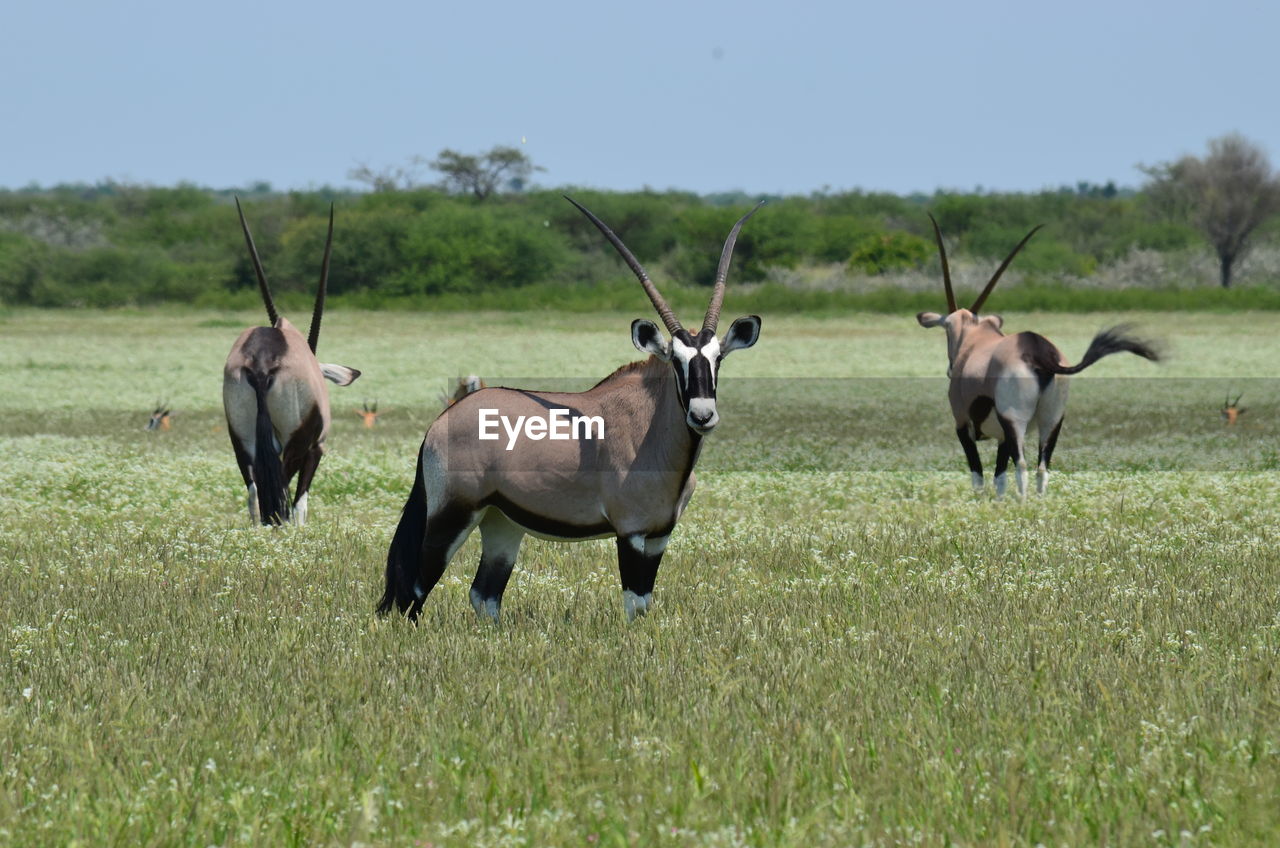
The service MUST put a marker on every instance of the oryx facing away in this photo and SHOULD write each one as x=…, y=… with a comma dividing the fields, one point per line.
x=629, y=478
x=276, y=402
x=1001, y=384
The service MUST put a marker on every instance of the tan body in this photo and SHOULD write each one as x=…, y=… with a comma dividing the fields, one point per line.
x=636, y=480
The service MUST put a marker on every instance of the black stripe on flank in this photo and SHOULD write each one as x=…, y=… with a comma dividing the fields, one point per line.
x=546, y=526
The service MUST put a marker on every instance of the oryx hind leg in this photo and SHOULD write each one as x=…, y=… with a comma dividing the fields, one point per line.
x=638, y=559
x=306, y=473
x=1012, y=447
x=244, y=460
x=445, y=533
x=1046, y=454
x=1053, y=405
x=500, y=540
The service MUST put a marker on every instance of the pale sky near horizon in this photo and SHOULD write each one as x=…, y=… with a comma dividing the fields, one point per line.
x=765, y=97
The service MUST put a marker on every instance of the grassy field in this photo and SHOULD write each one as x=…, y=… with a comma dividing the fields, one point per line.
x=848, y=647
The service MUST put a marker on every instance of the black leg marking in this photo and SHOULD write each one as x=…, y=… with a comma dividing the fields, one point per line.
x=970, y=449
x=307, y=472
x=1003, y=451
x=501, y=539
x=638, y=570
x=1047, y=446
x=445, y=532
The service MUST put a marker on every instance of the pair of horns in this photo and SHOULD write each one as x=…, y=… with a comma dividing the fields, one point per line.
x=946, y=271
x=313, y=335
x=368, y=409
x=1227, y=403
x=664, y=311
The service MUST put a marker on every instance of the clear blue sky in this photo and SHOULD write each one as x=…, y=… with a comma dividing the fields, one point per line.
x=784, y=97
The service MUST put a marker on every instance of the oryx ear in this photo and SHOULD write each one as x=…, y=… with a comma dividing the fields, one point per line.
x=647, y=338
x=997, y=320
x=340, y=374
x=743, y=334
x=929, y=319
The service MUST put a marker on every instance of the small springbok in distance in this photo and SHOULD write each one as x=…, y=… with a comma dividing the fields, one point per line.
x=1021, y=378
x=276, y=403
x=160, y=417
x=369, y=414
x=621, y=466
x=1232, y=410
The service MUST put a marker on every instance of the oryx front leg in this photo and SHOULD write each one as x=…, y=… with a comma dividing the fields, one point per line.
x=638, y=560
x=500, y=544
x=971, y=454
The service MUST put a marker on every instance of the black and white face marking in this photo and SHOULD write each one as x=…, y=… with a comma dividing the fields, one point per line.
x=696, y=361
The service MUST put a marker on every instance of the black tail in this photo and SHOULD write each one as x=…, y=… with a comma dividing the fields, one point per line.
x=1111, y=340
x=404, y=558
x=268, y=471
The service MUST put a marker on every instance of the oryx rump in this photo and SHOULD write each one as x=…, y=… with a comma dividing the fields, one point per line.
x=1001, y=384
x=632, y=482
x=276, y=402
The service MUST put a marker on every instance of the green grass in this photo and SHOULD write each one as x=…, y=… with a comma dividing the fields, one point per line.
x=848, y=648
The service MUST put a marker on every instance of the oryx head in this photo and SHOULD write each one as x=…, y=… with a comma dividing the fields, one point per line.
x=958, y=320
x=695, y=357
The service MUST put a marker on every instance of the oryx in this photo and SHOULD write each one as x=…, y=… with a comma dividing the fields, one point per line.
x=628, y=473
x=1000, y=384
x=276, y=402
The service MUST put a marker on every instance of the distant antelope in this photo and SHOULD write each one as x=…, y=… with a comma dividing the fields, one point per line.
x=465, y=386
x=632, y=482
x=1232, y=410
x=160, y=417
x=1019, y=377
x=370, y=414
x=276, y=403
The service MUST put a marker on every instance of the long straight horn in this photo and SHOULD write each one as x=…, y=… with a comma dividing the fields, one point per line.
x=946, y=269
x=272, y=315
x=664, y=311
x=314, y=335
x=982, y=298
x=722, y=272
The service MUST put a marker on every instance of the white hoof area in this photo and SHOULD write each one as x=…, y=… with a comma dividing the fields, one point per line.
x=300, y=511
x=978, y=482
x=636, y=605
x=1042, y=481
x=1001, y=484
x=489, y=608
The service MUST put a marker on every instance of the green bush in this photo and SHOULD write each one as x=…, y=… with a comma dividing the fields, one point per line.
x=883, y=252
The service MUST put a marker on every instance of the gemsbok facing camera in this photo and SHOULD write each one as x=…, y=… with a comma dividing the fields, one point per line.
x=616, y=460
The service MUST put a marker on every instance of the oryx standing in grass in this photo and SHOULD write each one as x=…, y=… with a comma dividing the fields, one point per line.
x=1000, y=384
x=627, y=472
x=276, y=403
